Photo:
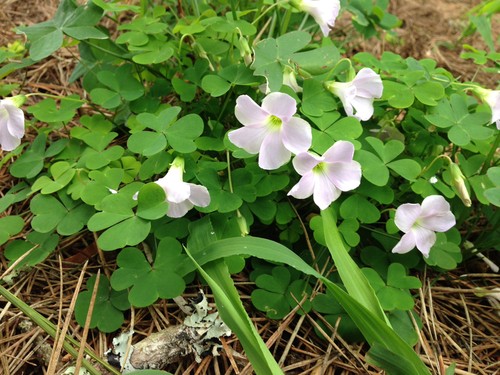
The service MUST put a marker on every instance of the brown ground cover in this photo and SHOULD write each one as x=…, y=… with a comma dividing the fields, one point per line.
x=458, y=326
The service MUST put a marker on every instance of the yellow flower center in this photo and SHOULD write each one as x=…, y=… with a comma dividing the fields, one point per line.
x=275, y=122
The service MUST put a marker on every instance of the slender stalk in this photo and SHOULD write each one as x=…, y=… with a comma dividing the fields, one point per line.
x=490, y=155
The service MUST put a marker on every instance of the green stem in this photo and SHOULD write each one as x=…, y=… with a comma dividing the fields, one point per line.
x=55, y=97
x=233, y=10
x=286, y=21
x=490, y=155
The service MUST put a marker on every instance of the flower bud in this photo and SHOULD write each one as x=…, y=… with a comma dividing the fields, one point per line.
x=458, y=181
x=245, y=50
x=242, y=224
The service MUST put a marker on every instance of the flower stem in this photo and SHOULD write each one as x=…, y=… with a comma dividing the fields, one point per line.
x=490, y=155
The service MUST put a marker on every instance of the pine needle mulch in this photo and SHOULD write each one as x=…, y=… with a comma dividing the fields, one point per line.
x=459, y=326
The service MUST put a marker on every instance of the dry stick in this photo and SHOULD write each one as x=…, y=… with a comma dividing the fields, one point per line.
x=101, y=258
x=86, y=327
x=129, y=340
x=62, y=336
x=469, y=324
x=291, y=340
x=18, y=260
x=306, y=236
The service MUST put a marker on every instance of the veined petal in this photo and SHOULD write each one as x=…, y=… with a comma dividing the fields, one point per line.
x=424, y=239
x=296, y=135
x=305, y=162
x=345, y=176
x=280, y=105
x=304, y=188
x=273, y=153
x=346, y=91
x=364, y=108
x=176, y=210
x=368, y=84
x=406, y=215
x=341, y=151
x=248, y=112
x=249, y=138
x=324, y=191
x=436, y=214
x=405, y=244
x=199, y=195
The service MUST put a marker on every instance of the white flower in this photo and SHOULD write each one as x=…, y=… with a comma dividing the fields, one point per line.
x=181, y=196
x=290, y=79
x=420, y=222
x=493, y=100
x=324, y=12
x=359, y=93
x=11, y=122
x=325, y=177
x=271, y=130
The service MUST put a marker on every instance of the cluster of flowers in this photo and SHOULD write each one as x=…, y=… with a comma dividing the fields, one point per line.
x=274, y=133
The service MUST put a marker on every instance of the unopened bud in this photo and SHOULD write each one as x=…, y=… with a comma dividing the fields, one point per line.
x=245, y=50
x=242, y=223
x=458, y=181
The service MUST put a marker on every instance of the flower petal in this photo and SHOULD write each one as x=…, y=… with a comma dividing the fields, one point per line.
x=176, y=210
x=272, y=153
x=296, y=135
x=424, y=239
x=280, y=105
x=436, y=214
x=305, y=162
x=405, y=244
x=346, y=92
x=364, y=108
x=341, y=151
x=249, y=138
x=345, y=176
x=324, y=191
x=7, y=141
x=368, y=84
x=199, y=195
x=15, y=121
x=176, y=191
x=248, y=112
x=406, y=215
x=304, y=188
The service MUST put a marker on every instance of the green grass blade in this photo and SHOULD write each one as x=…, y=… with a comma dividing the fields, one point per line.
x=234, y=315
x=353, y=279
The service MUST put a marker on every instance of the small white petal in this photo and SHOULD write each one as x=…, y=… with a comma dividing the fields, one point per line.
x=304, y=188
x=341, y=151
x=176, y=191
x=364, y=108
x=406, y=215
x=280, y=105
x=324, y=12
x=436, y=214
x=493, y=100
x=176, y=210
x=424, y=239
x=368, y=84
x=346, y=92
x=296, y=135
x=405, y=244
x=324, y=191
x=199, y=195
x=7, y=141
x=248, y=112
x=273, y=153
x=345, y=176
x=249, y=138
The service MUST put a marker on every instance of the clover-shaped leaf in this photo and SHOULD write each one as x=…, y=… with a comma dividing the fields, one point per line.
x=48, y=111
x=62, y=173
x=278, y=294
x=95, y=132
x=394, y=294
x=109, y=305
x=150, y=282
x=10, y=226
x=151, y=201
x=444, y=254
x=358, y=207
x=41, y=246
x=68, y=217
x=30, y=163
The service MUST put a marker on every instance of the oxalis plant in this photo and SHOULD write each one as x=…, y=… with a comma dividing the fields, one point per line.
x=209, y=132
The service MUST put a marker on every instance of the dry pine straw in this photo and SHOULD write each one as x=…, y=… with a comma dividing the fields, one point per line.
x=458, y=326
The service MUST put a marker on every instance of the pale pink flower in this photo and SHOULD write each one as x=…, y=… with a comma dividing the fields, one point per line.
x=324, y=12
x=11, y=122
x=181, y=196
x=325, y=177
x=420, y=222
x=271, y=130
x=357, y=95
